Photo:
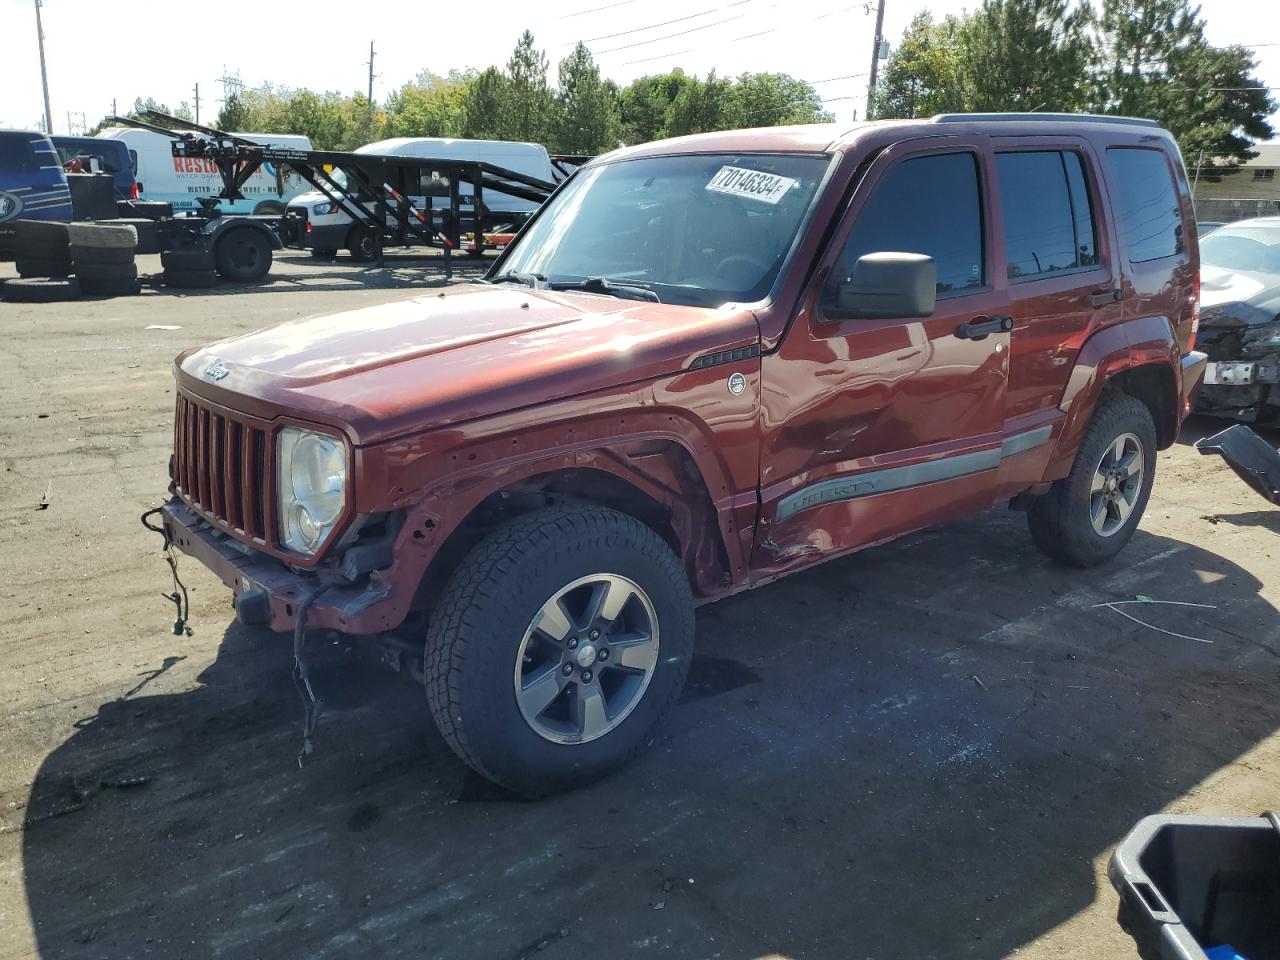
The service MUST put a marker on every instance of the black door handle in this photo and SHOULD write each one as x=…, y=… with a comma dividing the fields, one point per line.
x=1101, y=298
x=981, y=328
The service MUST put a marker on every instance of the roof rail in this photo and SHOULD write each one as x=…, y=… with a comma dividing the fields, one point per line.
x=1019, y=117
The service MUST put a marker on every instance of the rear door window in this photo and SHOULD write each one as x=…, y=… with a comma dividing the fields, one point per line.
x=930, y=205
x=1048, y=223
x=1146, y=203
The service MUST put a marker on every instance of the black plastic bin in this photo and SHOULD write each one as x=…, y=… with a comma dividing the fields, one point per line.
x=1188, y=885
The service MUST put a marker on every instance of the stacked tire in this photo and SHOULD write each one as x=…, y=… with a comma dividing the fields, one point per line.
x=43, y=260
x=189, y=268
x=102, y=256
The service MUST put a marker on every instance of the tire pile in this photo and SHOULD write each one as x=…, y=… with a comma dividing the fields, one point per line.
x=100, y=256
x=189, y=268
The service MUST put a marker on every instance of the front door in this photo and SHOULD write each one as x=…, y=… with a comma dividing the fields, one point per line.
x=876, y=427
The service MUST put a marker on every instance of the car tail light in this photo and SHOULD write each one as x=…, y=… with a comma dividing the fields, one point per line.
x=133, y=191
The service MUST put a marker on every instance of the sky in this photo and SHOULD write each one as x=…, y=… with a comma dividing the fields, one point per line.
x=99, y=51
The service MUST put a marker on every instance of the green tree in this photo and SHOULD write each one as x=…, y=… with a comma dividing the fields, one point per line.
x=586, y=110
x=527, y=111
x=922, y=75
x=483, y=106
x=234, y=114
x=141, y=106
x=1026, y=55
x=1153, y=61
x=645, y=105
x=429, y=106
x=770, y=99
x=700, y=106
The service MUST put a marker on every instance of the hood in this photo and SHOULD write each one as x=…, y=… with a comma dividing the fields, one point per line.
x=454, y=356
x=1232, y=298
x=307, y=199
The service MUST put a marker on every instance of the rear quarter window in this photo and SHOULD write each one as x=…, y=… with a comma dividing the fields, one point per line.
x=17, y=153
x=1145, y=202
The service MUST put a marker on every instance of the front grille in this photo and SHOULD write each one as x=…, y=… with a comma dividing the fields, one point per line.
x=220, y=469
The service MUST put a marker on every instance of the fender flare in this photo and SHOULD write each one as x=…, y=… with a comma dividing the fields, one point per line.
x=677, y=471
x=1113, y=349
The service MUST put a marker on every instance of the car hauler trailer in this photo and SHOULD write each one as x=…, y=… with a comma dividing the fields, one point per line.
x=375, y=191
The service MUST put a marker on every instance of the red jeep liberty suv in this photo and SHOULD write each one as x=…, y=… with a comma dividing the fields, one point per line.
x=705, y=363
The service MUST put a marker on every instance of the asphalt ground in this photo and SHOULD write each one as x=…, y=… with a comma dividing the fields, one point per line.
x=925, y=750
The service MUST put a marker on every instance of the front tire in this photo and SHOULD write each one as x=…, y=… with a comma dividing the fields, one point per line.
x=242, y=256
x=1087, y=517
x=557, y=646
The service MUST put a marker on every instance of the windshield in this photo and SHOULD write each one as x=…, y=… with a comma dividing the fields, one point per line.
x=700, y=229
x=1254, y=247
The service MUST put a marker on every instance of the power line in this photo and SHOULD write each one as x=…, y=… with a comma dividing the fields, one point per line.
x=607, y=6
x=792, y=26
x=681, y=33
x=851, y=76
x=664, y=23
x=661, y=56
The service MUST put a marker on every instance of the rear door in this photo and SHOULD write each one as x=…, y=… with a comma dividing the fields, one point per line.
x=1062, y=277
x=876, y=427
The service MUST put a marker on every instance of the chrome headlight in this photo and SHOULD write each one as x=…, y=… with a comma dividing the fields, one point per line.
x=312, y=484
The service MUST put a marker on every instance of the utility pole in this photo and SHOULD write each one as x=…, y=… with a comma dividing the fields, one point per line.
x=197, y=103
x=371, y=78
x=44, y=75
x=875, y=56
x=114, y=111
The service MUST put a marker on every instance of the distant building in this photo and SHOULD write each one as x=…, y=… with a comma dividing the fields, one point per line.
x=1252, y=190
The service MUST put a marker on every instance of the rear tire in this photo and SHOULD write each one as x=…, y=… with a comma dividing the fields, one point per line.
x=122, y=236
x=1087, y=517
x=43, y=267
x=609, y=678
x=39, y=291
x=360, y=245
x=90, y=272
x=243, y=255
x=190, y=279
x=115, y=287
x=186, y=259
x=83, y=255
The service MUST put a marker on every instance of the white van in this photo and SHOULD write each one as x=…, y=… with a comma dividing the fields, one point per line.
x=182, y=181
x=328, y=230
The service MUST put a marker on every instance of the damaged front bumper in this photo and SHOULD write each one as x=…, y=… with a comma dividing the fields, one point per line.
x=1242, y=378
x=267, y=592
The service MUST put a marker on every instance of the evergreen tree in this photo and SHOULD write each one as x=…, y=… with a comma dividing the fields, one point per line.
x=586, y=115
x=484, y=105
x=1153, y=61
x=922, y=76
x=771, y=99
x=528, y=108
x=1026, y=55
x=234, y=115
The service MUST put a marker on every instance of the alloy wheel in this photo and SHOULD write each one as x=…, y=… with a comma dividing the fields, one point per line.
x=587, y=658
x=1117, y=485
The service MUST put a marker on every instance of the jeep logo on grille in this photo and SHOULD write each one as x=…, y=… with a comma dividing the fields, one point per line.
x=215, y=371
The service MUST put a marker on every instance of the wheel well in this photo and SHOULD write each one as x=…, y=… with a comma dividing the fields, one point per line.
x=684, y=530
x=1154, y=385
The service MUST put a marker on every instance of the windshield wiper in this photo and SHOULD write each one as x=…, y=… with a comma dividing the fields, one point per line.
x=617, y=288
x=516, y=276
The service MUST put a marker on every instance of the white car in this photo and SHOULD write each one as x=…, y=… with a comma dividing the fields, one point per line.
x=181, y=182
x=327, y=228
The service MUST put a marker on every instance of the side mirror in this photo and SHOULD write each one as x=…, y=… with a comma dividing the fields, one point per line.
x=884, y=285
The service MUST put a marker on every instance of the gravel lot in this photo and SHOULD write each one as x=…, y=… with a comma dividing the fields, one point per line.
x=925, y=750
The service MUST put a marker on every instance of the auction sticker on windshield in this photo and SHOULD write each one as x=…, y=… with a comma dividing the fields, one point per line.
x=753, y=184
